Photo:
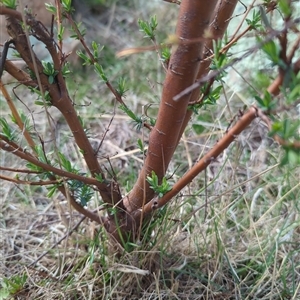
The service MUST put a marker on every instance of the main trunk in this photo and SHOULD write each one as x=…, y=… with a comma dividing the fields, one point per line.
x=194, y=18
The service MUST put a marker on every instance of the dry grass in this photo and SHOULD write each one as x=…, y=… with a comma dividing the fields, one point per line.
x=232, y=234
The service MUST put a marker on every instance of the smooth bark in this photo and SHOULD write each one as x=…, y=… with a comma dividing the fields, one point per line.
x=194, y=18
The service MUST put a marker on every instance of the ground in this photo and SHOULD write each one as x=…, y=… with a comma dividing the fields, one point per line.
x=233, y=233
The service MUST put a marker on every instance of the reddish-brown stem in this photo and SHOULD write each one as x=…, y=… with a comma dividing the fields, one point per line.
x=19, y=170
x=20, y=181
x=202, y=164
x=19, y=74
x=11, y=12
x=237, y=29
x=223, y=144
x=58, y=94
x=19, y=152
x=219, y=23
x=89, y=214
x=194, y=17
x=11, y=147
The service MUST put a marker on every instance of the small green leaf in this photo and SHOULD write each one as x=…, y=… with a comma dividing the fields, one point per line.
x=272, y=50
x=67, y=5
x=51, y=190
x=161, y=189
x=166, y=54
x=141, y=146
x=66, y=164
x=7, y=131
x=99, y=70
x=10, y=3
x=50, y=79
x=65, y=70
x=85, y=58
x=121, y=89
x=50, y=7
x=137, y=120
x=148, y=27
x=99, y=177
x=285, y=7
x=266, y=102
x=255, y=22
x=294, y=157
x=61, y=33
x=82, y=31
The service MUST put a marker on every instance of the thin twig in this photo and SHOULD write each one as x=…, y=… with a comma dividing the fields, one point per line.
x=39, y=183
x=18, y=151
x=17, y=117
x=58, y=242
x=221, y=145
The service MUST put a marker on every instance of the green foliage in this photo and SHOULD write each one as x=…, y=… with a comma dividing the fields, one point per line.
x=228, y=221
x=39, y=150
x=12, y=285
x=213, y=96
x=99, y=177
x=51, y=8
x=272, y=49
x=96, y=50
x=254, y=23
x=34, y=168
x=158, y=225
x=159, y=189
x=60, y=33
x=286, y=129
x=82, y=31
x=285, y=7
x=6, y=130
x=141, y=146
x=138, y=121
x=65, y=163
x=86, y=59
x=49, y=71
x=261, y=81
x=291, y=156
x=82, y=192
x=52, y=189
x=209, y=98
x=9, y=3
x=25, y=121
x=100, y=2
x=291, y=88
x=205, y=117
x=220, y=59
x=67, y=5
x=99, y=71
x=166, y=54
x=264, y=18
x=65, y=70
x=46, y=96
x=266, y=102
x=122, y=88
x=148, y=28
